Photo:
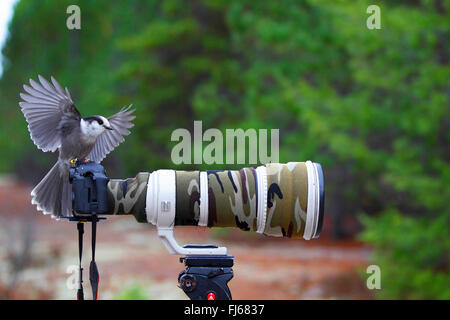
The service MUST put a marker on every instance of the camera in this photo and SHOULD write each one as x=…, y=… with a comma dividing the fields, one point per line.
x=275, y=199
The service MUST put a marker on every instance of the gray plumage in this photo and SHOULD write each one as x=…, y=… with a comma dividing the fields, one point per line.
x=55, y=124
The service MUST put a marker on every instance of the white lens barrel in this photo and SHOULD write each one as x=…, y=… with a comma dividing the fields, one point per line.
x=161, y=192
x=160, y=210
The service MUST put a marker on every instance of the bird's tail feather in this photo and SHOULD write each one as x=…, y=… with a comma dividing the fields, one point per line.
x=54, y=193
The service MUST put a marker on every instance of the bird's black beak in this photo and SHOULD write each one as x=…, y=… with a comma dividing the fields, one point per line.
x=109, y=128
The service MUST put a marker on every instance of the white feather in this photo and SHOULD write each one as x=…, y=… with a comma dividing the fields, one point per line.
x=91, y=130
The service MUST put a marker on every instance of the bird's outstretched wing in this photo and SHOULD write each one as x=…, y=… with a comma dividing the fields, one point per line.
x=109, y=139
x=44, y=105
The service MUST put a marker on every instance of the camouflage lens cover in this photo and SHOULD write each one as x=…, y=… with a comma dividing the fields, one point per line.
x=129, y=196
x=287, y=199
x=232, y=198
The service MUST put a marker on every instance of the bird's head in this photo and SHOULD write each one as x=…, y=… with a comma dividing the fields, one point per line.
x=94, y=126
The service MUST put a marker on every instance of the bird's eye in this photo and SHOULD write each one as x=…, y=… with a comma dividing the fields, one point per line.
x=100, y=121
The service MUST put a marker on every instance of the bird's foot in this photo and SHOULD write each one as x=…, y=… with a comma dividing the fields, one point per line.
x=76, y=161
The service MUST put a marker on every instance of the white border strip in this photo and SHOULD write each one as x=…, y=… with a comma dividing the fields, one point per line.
x=313, y=207
x=151, y=199
x=261, y=179
x=317, y=196
x=203, y=220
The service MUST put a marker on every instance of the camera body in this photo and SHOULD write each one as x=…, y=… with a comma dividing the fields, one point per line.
x=89, y=188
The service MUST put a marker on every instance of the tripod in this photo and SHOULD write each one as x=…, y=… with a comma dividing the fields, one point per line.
x=89, y=183
x=208, y=267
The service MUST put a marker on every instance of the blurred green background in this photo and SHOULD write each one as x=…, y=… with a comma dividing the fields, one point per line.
x=372, y=106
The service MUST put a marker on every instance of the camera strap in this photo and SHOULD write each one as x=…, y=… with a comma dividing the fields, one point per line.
x=80, y=228
x=93, y=270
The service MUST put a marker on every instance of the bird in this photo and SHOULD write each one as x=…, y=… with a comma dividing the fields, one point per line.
x=55, y=124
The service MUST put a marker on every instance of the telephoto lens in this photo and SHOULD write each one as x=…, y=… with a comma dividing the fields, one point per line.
x=275, y=199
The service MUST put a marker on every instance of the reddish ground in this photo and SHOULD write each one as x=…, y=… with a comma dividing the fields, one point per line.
x=130, y=255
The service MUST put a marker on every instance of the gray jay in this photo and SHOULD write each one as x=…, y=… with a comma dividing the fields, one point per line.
x=55, y=124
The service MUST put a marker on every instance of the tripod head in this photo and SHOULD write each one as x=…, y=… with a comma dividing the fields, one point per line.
x=206, y=277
